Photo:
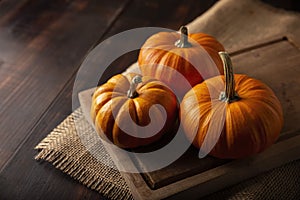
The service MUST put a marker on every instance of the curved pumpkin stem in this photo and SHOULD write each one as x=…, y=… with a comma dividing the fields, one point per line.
x=131, y=93
x=183, y=42
x=229, y=95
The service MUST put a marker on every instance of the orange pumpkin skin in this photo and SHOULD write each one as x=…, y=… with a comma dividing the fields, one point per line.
x=113, y=96
x=159, y=56
x=252, y=123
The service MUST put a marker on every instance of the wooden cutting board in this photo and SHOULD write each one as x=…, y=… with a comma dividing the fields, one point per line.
x=263, y=44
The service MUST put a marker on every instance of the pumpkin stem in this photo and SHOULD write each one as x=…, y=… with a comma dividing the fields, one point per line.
x=229, y=95
x=183, y=41
x=131, y=93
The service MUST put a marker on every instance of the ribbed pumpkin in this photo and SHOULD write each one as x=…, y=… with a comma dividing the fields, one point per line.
x=242, y=120
x=181, y=60
x=120, y=110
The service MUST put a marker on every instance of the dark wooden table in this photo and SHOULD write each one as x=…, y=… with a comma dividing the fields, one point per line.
x=42, y=44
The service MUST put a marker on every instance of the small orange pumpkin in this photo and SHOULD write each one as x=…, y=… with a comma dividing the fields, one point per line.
x=177, y=59
x=243, y=120
x=125, y=105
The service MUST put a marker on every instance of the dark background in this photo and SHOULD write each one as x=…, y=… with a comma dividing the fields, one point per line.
x=293, y=5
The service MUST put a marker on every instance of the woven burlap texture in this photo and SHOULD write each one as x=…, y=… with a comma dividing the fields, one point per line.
x=63, y=148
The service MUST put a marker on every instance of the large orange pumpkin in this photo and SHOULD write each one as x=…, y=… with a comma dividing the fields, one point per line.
x=242, y=120
x=124, y=108
x=181, y=60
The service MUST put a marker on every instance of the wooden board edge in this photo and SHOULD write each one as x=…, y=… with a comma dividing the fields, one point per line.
x=216, y=179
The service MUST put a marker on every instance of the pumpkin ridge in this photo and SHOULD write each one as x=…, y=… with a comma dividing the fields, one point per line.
x=206, y=40
x=119, y=83
x=262, y=127
x=109, y=119
x=153, y=85
x=117, y=131
x=109, y=97
x=141, y=103
x=134, y=101
x=251, y=133
x=206, y=113
x=138, y=109
x=97, y=106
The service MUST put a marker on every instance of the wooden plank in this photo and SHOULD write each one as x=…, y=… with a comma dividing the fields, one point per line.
x=278, y=66
x=25, y=178
x=186, y=166
x=168, y=14
x=41, y=48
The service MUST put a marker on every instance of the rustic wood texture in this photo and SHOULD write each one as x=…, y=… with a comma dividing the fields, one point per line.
x=186, y=166
x=42, y=44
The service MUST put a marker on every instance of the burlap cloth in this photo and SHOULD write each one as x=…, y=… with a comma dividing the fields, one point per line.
x=63, y=147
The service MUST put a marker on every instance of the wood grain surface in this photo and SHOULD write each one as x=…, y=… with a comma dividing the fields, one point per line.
x=42, y=45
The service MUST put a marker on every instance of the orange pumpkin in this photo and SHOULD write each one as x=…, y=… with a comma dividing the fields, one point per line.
x=242, y=120
x=181, y=60
x=132, y=111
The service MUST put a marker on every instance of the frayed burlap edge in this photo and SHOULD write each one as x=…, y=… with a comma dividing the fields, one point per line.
x=64, y=149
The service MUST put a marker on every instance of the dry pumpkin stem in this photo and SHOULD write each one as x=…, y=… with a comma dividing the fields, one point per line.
x=183, y=42
x=131, y=93
x=229, y=95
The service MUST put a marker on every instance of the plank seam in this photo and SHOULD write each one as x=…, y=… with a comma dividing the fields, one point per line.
x=254, y=47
